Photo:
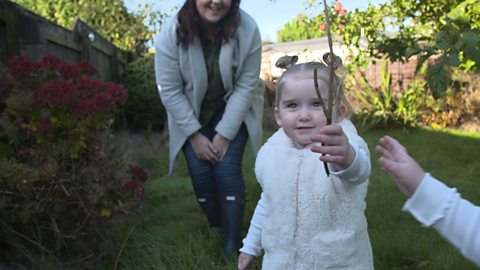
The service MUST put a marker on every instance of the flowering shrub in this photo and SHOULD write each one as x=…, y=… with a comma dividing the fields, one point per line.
x=60, y=180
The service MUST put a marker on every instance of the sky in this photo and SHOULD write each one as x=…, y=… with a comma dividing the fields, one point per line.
x=270, y=15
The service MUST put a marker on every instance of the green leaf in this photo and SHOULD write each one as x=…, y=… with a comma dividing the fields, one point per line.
x=420, y=62
x=459, y=15
x=437, y=80
x=451, y=59
x=429, y=50
x=412, y=50
x=470, y=37
x=473, y=53
x=443, y=40
x=458, y=45
x=476, y=8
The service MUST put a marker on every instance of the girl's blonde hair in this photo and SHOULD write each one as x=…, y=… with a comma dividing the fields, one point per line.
x=323, y=74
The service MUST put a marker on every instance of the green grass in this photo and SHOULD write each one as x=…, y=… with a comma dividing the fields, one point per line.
x=172, y=233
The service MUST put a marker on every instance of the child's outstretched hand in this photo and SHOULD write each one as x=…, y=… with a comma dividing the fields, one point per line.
x=396, y=162
x=336, y=149
x=245, y=261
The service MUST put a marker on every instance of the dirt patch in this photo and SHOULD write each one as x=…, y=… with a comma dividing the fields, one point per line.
x=139, y=145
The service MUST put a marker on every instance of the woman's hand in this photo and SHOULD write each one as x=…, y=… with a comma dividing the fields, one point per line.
x=203, y=148
x=221, y=144
x=245, y=261
x=336, y=149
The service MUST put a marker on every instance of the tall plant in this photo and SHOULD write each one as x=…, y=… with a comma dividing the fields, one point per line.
x=375, y=105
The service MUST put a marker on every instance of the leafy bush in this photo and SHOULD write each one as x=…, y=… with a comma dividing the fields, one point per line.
x=414, y=107
x=143, y=109
x=59, y=181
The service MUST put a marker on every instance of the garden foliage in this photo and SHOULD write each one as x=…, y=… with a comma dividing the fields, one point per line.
x=143, y=109
x=382, y=106
x=442, y=35
x=111, y=19
x=60, y=183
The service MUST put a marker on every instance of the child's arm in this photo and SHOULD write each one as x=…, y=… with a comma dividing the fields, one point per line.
x=431, y=202
x=252, y=245
x=346, y=153
x=396, y=162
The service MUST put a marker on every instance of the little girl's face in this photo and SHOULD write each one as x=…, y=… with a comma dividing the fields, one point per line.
x=299, y=111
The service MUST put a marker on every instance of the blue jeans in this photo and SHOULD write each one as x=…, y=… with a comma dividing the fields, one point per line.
x=224, y=177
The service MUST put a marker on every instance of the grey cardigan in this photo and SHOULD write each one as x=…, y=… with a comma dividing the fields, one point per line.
x=181, y=77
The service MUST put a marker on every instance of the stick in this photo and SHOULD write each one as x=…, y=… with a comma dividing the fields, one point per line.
x=317, y=89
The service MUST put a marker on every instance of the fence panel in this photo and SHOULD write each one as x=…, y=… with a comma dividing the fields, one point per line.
x=24, y=32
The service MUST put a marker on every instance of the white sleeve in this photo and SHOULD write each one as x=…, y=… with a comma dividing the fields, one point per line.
x=252, y=244
x=359, y=171
x=456, y=219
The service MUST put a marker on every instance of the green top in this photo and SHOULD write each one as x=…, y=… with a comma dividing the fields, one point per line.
x=213, y=101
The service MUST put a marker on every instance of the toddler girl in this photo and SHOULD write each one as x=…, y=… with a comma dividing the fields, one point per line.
x=306, y=217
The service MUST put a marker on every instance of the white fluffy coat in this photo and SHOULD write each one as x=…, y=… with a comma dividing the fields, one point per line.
x=312, y=221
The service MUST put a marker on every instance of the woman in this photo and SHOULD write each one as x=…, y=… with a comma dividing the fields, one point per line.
x=207, y=67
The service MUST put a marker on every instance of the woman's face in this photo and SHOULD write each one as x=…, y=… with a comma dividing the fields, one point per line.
x=212, y=11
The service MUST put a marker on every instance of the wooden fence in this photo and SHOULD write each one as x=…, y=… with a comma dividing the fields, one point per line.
x=25, y=33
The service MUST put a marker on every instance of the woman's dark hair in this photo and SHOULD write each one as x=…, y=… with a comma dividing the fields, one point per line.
x=189, y=23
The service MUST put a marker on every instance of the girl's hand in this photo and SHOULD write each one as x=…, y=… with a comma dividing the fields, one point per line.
x=396, y=162
x=203, y=148
x=221, y=144
x=245, y=261
x=336, y=149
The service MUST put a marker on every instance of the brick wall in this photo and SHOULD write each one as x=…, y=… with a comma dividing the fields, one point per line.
x=401, y=73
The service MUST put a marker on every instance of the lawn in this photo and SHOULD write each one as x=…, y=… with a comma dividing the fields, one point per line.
x=172, y=233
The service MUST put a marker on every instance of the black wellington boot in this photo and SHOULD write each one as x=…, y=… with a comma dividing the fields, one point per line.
x=211, y=207
x=233, y=209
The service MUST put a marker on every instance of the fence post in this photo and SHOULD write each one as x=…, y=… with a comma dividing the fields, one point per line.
x=9, y=38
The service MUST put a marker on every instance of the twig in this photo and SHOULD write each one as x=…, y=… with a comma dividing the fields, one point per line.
x=330, y=66
x=317, y=89
x=26, y=238
x=117, y=260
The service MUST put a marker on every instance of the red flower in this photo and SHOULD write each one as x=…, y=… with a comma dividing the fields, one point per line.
x=69, y=71
x=139, y=173
x=50, y=62
x=86, y=68
x=135, y=187
x=131, y=185
x=338, y=7
x=20, y=67
x=54, y=93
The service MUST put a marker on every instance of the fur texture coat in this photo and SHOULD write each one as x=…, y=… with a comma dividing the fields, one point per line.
x=312, y=221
